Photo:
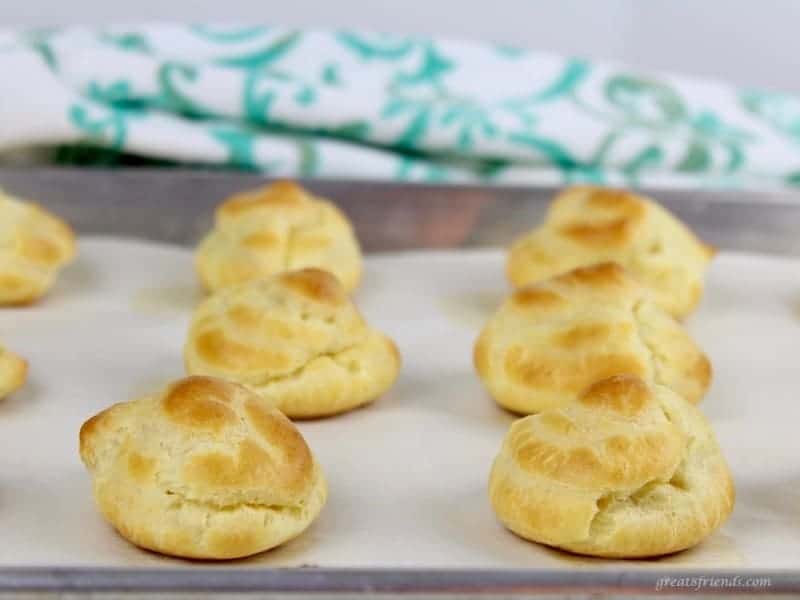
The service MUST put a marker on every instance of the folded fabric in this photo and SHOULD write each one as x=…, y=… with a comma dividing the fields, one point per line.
x=365, y=105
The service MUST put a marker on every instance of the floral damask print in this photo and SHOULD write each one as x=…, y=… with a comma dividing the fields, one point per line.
x=363, y=104
x=781, y=111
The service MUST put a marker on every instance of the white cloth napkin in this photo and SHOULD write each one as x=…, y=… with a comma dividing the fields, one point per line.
x=364, y=105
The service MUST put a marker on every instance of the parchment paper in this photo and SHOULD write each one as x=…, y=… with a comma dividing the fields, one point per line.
x=407, y=474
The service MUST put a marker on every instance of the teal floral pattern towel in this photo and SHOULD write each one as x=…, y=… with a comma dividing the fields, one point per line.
x=364, y=105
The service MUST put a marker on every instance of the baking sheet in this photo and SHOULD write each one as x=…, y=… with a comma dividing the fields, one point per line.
x=407, y=474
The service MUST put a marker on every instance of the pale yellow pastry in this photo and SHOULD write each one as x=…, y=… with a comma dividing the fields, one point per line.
x=627, y=470
x=297, y=340
x=550, y=341
x=13, y=372
x=279, y=227
x=202, y=470
x=34, y=245
x=587, y=225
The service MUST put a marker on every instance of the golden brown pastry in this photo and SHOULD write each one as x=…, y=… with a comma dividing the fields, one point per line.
x=628, y=470
x=587, y=225
x=279, y=227
x=550, y=341
x=13, y=372
x=297, y=340
x=34, y=245
x=202, y=470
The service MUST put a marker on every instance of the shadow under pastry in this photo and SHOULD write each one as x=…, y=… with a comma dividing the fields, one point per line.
x=21, y=400
x=465, y=399
x=77, y=279
x=169, y=299
x=717, y=551
x=287, y=555
x=472, y=309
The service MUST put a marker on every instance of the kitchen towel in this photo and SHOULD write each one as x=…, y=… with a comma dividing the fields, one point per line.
x=352, y=104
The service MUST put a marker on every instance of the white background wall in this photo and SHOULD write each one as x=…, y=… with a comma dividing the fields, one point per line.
x=750, y=42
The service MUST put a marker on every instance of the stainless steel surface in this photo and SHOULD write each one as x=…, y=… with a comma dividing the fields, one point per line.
x=176, y=207
x=392, y=582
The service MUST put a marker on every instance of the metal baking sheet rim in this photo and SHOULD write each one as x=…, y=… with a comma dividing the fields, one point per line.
x=399, y=581
x=391, y=581
x=387, y=216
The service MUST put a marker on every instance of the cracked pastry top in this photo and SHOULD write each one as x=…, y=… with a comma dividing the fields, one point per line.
x=627, y=470
x=279, y=227
x=13, y=372
x=297, y=340
x=202, y=470
x=34, y=245
x=587, y=225
x=550, y=341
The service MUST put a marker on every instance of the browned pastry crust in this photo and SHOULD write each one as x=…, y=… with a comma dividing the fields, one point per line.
x=586, y=225
x=628, y=470
x=202, y=470
x=13, y=372
x=279, y=227
x=297, y=340
x=34, y=245
x=550, y=341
